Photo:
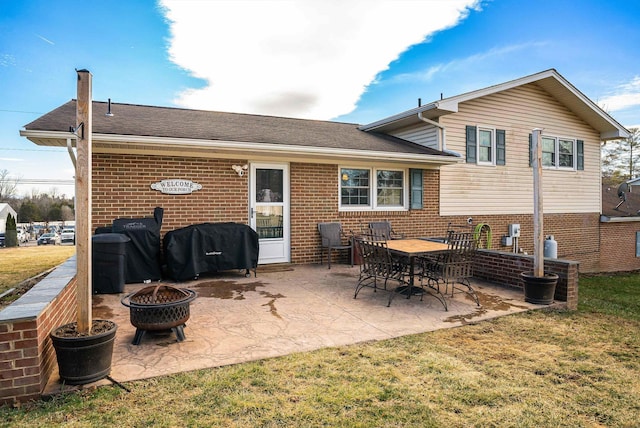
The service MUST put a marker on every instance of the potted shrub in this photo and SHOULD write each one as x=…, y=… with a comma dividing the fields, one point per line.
x=539, y=287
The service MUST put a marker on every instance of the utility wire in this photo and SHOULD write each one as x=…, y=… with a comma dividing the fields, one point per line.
x=41, y=181
x=21, y=111
x=31, y=150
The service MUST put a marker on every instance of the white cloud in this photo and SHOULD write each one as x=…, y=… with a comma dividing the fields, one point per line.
x=464, y=64
x=627, y=95
x=310, y=59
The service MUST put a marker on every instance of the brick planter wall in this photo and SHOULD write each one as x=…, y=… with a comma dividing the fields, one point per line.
x=504, y=268
x=27, y=357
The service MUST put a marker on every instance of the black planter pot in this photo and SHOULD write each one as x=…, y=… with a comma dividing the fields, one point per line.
x=539, y=290
x=84, y=359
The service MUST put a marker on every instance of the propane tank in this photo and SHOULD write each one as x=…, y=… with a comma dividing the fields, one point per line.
x=550, y=247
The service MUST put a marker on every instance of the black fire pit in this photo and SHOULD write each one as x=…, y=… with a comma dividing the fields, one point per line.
x=159, y=308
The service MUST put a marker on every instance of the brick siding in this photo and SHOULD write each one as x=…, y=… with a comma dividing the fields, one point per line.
x=121, y=188
x=618, y=244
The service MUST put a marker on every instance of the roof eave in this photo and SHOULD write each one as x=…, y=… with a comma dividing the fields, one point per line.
x=608, y=127
x=430, y=111
x=58, y=139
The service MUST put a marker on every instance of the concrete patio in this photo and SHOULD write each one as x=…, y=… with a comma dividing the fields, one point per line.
x=285, y=309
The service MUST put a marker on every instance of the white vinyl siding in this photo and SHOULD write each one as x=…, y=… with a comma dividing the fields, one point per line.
x=423, y=134
x=466, y=189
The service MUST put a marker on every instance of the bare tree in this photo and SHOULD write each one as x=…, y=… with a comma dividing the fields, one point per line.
x=8, y=186
x=621, y=158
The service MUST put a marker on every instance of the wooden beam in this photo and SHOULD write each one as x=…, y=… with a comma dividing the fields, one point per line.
x=538, y=221
x=83, y=201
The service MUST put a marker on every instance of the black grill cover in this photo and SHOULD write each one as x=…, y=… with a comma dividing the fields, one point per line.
x=143, y=260
x=210, y=247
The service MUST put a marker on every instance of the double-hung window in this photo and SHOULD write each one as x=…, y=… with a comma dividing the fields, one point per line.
x=561, y=153
x=485, y=145
x=373, y=189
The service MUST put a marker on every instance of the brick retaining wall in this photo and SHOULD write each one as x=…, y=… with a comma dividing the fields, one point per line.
x=504, y=269
x=27, y=357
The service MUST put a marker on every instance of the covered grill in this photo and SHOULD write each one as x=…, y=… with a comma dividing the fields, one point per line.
x=157, y=308
x=143, y=261
x=210, y=247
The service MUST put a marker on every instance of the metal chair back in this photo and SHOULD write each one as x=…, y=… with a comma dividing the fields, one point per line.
x=332, y=237
x=382, y=231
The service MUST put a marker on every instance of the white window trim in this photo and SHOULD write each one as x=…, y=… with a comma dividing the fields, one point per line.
x=557, y=154
x=492, y=162
x=373, y=199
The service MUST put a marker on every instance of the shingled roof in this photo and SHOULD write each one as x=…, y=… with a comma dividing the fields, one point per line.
x=176, y=123
x=630, y=207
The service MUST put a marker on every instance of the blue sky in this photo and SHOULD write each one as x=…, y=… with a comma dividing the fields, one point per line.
x=349, y=60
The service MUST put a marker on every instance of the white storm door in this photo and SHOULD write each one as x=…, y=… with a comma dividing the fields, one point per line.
x=269, y=211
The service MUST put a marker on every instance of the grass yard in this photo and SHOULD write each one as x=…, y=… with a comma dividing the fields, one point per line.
x=20, y=263
x=545, y=368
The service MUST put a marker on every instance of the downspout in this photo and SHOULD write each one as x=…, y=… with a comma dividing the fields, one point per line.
x=442, y=135
x=71, y=154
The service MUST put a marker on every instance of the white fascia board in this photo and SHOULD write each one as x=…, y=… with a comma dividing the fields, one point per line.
x=383, y=122
x=246, y=147
x=614, y=135
x=607, y=219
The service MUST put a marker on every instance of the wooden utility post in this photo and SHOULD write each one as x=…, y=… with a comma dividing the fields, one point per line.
x=83, y=201
x=538, y=238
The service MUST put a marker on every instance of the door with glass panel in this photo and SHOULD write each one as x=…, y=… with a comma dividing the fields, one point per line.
x=269, y=210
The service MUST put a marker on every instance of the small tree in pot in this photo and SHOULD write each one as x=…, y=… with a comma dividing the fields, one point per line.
x=539, y=287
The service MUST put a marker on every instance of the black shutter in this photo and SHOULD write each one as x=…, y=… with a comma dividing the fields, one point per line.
x=416, y=188
x=471, y=144
x=580, y=155
x=530, y=149
x=501, y=157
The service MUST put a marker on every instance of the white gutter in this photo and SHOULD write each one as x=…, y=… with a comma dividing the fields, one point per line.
x=245, y=147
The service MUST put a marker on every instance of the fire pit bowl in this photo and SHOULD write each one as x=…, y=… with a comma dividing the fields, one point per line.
x=157, y=308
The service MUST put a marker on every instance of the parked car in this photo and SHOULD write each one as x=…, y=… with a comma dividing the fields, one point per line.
x=68, y=235
x=49, y=238
x=1, y=239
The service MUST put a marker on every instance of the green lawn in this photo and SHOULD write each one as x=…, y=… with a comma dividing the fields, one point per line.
x=20, y=263
x=545, y=368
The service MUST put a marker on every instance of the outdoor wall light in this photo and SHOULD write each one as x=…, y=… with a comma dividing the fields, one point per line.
x=240, y=169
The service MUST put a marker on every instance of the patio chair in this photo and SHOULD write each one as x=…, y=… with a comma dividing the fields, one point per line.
x=383, y=230
x=454, y=267
x=378, y=267
x=332, y=238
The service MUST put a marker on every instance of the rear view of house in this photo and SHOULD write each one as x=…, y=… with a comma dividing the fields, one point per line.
x=456, y=160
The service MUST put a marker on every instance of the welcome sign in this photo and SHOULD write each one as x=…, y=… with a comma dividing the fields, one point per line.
x=176, y=186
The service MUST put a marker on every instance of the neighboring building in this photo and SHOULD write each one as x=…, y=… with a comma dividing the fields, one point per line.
x=620, y=228
x=5, y=210
x=459, y=157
